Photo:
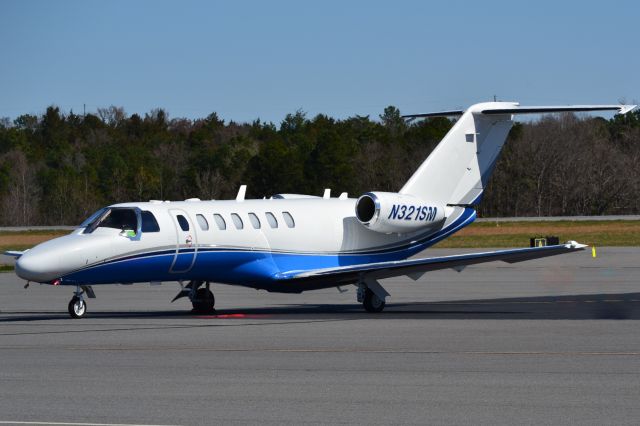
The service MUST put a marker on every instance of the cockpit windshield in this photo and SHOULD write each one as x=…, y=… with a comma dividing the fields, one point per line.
x=118, y=218
x=93, y=217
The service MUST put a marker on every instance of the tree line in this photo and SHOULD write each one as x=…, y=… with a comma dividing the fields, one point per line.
x=58, y=168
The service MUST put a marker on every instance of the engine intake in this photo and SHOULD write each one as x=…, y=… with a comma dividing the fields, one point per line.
x=390, y=212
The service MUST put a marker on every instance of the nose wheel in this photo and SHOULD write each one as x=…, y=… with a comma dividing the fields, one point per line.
x=77, y=307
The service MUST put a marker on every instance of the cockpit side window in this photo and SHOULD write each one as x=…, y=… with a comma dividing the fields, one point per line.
x=120, y=219
x=117, y=218
x=149, y=222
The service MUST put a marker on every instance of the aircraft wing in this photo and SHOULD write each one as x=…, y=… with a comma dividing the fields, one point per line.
x=14, y=253
x=415, y=267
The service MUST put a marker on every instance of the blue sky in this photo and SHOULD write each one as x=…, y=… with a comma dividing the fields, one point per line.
x=248, y=60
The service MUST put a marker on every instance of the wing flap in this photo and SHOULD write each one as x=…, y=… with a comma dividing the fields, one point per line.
x=380, y=270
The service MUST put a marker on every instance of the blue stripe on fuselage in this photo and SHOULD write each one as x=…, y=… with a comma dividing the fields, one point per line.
x=242, y=266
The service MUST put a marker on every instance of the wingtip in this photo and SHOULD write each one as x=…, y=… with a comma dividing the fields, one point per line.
x=626, y=108
x=575, y=245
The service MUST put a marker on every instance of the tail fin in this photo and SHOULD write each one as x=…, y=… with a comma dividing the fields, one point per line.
x=459, y=168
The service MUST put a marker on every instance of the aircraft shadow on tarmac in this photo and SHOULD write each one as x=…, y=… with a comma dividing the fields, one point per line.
x=625, y=306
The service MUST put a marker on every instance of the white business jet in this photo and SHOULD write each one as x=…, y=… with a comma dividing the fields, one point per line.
x=292, y=243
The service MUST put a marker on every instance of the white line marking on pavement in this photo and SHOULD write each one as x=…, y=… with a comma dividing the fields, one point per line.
x=13, y=422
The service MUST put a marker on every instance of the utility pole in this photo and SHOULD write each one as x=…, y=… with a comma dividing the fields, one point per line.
x=84, y=110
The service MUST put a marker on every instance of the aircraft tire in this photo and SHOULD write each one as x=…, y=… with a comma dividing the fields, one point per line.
x=371, y=302
x=204, y=301
x=77, y=307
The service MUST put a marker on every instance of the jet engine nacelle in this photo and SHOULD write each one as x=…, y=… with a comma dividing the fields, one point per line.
x=390, y=212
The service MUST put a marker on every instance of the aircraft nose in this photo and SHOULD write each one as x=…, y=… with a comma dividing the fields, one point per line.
x=38, y=267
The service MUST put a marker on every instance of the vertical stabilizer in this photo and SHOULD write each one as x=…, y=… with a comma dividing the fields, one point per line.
x=458, y=169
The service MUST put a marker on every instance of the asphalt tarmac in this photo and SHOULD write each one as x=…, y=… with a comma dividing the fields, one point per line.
x=551, y=341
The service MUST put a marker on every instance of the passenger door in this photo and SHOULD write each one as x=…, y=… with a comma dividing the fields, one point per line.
x=186, y=242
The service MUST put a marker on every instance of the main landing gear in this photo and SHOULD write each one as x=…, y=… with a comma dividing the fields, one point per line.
x=202, y=299
x=77, y=306
x=372, y=295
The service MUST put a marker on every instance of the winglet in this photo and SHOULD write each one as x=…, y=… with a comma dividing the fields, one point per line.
x=575, y=245
x=241, y=192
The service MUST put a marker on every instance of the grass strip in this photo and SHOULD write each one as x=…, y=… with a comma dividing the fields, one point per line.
x=619, y=233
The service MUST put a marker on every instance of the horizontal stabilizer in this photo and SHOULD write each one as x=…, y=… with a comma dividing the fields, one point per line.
x=452, y=113
x=380, y=270
x=621, y=109
x=517, y=109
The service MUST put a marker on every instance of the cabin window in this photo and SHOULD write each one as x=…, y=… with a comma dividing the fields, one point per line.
x=220, y=223
x=288, y=219
x=149, y=222
x=237, y=221
x=273, y=222
x=183, y=222
x=202, y=221
x=254, y=220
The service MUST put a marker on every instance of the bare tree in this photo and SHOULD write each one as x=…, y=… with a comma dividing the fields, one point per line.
x=112, y=115
x=209, y=184
x=20, y=205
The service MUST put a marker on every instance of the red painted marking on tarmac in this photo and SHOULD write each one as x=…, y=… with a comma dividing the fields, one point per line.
x=232, y=316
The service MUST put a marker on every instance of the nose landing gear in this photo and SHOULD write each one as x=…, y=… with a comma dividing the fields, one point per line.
x=77, y=306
